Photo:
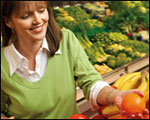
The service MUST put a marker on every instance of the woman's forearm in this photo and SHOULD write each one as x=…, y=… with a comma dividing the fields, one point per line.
x=107, y=95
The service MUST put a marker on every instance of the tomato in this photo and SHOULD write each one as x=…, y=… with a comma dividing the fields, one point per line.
x=98, y=117
x=78, y=116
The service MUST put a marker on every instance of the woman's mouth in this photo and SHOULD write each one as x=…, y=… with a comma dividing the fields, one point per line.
x=37, y=29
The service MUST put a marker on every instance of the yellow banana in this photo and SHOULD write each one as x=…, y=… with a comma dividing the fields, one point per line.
x=143, y=86
x=147, y=78
x=130, y=83
x=110, y=110
x=122, y=79
x=120, y=82
x=146, y=96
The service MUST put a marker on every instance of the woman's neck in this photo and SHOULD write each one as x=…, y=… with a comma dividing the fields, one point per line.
x=28, y=49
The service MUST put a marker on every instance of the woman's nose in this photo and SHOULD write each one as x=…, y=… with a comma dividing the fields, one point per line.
x=36, y=18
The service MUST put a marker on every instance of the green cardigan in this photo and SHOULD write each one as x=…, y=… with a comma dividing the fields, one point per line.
x=54, y=95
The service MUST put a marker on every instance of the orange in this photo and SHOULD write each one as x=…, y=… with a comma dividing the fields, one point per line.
x=133, y=103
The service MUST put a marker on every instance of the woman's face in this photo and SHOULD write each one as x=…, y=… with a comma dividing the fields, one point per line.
x=31, y=22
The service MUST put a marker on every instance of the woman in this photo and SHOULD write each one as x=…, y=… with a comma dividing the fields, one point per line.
x=40, y=64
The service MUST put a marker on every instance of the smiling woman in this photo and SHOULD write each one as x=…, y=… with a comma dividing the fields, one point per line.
x=40, y=65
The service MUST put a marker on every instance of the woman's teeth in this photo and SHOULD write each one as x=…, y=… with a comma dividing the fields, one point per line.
x=38, y=29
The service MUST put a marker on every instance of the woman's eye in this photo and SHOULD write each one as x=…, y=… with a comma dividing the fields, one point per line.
x=25, y=16
x=41, y=10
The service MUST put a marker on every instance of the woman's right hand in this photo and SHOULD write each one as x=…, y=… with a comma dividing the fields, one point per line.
x=4, y=117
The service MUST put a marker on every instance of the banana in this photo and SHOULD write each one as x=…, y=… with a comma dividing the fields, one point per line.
x=146, y=96
x=147, y=76
x=131, y=82
x=121, y=81
x=110, y=110
x=143, y=86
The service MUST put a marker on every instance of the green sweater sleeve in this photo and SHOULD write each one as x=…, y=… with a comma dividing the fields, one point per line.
x=84, y=71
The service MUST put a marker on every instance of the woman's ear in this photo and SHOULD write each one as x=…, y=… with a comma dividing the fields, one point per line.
x=8, y=23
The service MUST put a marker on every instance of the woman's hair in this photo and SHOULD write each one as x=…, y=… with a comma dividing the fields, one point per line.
x=53, y=35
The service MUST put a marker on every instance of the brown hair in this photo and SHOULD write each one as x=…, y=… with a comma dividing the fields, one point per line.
x=53, y=35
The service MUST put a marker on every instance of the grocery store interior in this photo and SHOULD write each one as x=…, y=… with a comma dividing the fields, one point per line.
x=115, y=37
x=117, y=32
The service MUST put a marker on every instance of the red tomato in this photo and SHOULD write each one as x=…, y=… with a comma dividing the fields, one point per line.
x=78, y=116
x=98, y=117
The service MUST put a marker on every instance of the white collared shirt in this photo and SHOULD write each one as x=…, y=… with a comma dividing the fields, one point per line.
x=19, y=64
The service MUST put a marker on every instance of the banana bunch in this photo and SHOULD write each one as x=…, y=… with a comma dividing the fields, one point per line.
x=124, y=80
x=135, y=80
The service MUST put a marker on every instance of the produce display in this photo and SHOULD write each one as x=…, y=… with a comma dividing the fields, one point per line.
x=116, y=32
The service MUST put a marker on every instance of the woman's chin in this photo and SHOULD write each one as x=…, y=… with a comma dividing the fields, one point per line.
x=38, y=37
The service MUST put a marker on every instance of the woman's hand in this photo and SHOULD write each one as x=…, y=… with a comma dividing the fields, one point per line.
x=119, y=97
x=4, y=117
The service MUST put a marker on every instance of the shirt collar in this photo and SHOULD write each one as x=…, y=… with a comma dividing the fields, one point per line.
x=45, y=45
